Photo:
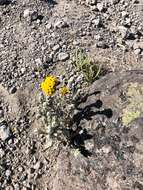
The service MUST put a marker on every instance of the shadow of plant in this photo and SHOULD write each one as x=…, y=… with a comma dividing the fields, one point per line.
x=78, y=136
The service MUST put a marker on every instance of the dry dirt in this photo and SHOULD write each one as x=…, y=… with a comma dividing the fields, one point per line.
x=105, y=155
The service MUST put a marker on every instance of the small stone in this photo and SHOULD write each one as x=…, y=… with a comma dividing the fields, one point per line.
x=71, y=81
x=106, y=149
x=63, y=56
x=60, y=24
x=91, y=2
x=12, y=90
x=89, y=145
x=4, y=132
x=123, y=31
x=49, y=26
x=20, y=169
x=127, y=22
x=8, y=173
x=2, y=153
x=26, y=13
x=124, y=14
x=56, y=47
x=96, y=22
x=49, y=142
x=16, y=186
x=23, y=70
x=102, y=45
x=100, y=6
x=34, y=16
x=97, y=37
x=38, y=166
x=137, y=51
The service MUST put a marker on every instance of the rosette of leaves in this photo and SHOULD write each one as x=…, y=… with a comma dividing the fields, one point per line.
x=84, y=64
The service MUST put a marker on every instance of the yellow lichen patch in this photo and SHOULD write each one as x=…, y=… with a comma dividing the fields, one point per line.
x=48, y=86
x=130, y=116
x=134, y=109
x=64, y=90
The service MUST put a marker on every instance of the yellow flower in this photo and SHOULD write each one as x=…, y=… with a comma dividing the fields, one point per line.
x=48, y=86
x=64, y=90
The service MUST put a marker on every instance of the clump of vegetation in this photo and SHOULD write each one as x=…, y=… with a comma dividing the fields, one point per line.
x=84, y=65
x=57, y=108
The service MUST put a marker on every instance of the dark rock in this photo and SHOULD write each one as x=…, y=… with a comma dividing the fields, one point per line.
x=12, y=90
x=34, y=16
x=5, y=2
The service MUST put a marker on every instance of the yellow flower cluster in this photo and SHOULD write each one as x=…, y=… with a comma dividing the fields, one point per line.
x=64, y=90
x=48, y=86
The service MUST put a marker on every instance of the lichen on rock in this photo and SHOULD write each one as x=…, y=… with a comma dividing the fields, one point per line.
x=134, y=108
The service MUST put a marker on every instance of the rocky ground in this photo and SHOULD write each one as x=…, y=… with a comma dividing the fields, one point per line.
x=40, y=37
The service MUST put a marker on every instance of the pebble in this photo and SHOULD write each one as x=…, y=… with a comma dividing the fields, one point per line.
x=106, y=149
x=12, y=90
x=49, y=26
x=63, y=56
x=123, y=31
x=38, y=165
x=26, y=13
x=97, y=21
x=102, y=45
x=89, y=145
x=124, y=13
x=56, y=47
x=23, y=70
x=2, y=153
x=137, y=51
x=4, y=132
x=16, y=186
x=34, y=15
x=8, y=173
x=71, y=81
x=20, y=169
x=60, y=24
x=100, y=6
x=127, y=22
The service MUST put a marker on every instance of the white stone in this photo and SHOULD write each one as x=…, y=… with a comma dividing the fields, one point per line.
x=100, y=6
x=123, y=30
x=63, y=56
x=2, y=153
x=26, y=13
x=4, y=132
x=56, y=47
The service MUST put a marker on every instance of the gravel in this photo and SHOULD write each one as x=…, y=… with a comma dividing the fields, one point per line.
x=39, y=38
